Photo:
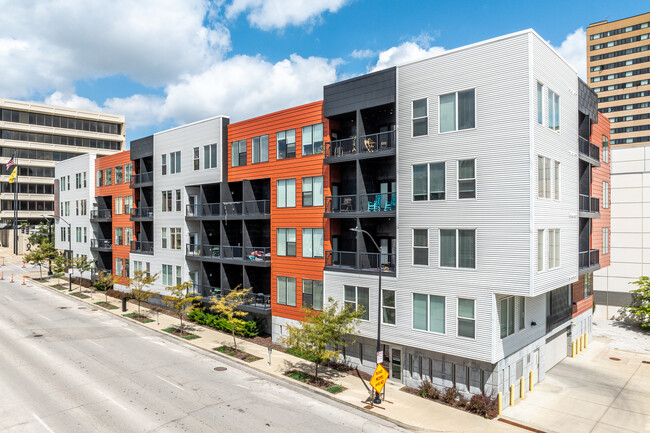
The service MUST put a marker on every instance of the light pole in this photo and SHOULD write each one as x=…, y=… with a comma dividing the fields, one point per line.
x=358, y=230
x=49, y=239
x=70, y=249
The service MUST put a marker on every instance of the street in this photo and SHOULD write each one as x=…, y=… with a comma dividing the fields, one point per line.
x=68, y=367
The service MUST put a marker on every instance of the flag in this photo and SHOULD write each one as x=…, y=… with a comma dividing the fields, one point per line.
x=13, y=175
x=11, y=162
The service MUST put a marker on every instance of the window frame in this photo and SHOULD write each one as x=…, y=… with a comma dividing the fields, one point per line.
x=196, y=160
x=554, y=249
x=605, y=240
x=605, y=149
x=605, y=195
x=428, y=181
x=313, y=146
x=510, y=301
x=413, y=118
x=553, y=110
x=426, y=230
x=457, y=230
x=540, y=103
x=256, y=156
x=428, y=314
x=286, y=144
x=456, y=107
x=394, y=307
x=163, y=164
x=305, y=237
x=310, y=305
x=287, y=243
x=286, y=291
x=541, y=235
x=356, y=301
x=458, y=317
x=239, y=144
x=286, y=193
x=320, y=195
x=459, y=180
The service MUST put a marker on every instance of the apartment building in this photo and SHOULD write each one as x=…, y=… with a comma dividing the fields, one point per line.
x=39, y=136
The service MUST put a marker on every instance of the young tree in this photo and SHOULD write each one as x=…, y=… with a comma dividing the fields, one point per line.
x=322, y=330
x=82, y=264
x=104, y=281
x=180, y=301
x=59, y=266
x=40, y=234
x=40, y=255
x=139, y=283
x=638, y=312
x=227, y=306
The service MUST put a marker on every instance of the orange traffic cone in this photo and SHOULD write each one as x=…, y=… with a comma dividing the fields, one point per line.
x=12, y=278
x=23, y=264
x=3, y=261
x=23, y=280
x=2, y=275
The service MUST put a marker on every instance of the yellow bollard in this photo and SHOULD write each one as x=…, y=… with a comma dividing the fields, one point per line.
x=521, y=387
x=581, y=344
x=573, y=349
x=512, y=395
x=500, y=401
x=586, y=334
x=530, y=385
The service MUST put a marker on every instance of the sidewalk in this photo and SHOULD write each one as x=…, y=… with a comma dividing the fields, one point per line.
x=411, y=411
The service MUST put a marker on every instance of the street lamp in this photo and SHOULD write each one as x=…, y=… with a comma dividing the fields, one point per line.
x=358, y=230
x=70, y=249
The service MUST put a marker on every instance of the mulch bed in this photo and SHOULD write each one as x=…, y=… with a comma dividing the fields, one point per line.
x=80, y=295
x=106, y=305
x=321, y=383
x=239, y=354
x=60, y=287
x=138, y=317
x=177, y=332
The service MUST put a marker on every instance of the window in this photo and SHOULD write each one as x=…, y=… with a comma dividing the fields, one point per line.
x=286, y=242
x=68, y=179
x=163, y=237
x=312, y=243
x=238, y=155
x=77, y=180
x=167, y=275
x=507, y=316
x=175, y=238
x=84, y=207
x=286, y=143
x=175, y=162
x=63, y=238
x=76, y=203
x=128, y=171
x=420, y=117
x=605, y=149
x=167, y=201
x=78, y=234
x=312, y=294
x=287, y=291
x=457, y=111
x=540, y=250
x=557, y=180
x=522, y=313
x=553, y=111
x=210, y=156
x=179, y=275
x=605, y=195
x=312, y=139
x=605, y=240
x=312, y=191
x=553, y=248
x=286, y=193
x=466, y=318
x=429, y=181
x=108, y=177
x=458, y=248
x=356, y=297
x=178, y=200
x=543, y=177
x=388, y=307
x=62, y=182
x=119, y=236
x=429, y=313
x=467, y=178
x=119, y=267
x=421, y=247
x=99, y=177
x=164, y=164
x=118, y=205
x=118, y=175
x=128, y=235
x=588, y=285
x=260, y=148
x=128, y=204
x=540, y=104
x=197, y=158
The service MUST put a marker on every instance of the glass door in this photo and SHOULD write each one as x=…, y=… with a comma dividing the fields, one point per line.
x=396, y=363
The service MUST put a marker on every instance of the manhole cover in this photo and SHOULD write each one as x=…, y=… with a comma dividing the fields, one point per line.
x=614, y=359
x=646, y=362
x=81, y=308
x=63, y=308
x=37, y=335
x=220, y=369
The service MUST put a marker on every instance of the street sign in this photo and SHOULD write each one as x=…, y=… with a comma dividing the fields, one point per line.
x=379, y=378
x=380, y=357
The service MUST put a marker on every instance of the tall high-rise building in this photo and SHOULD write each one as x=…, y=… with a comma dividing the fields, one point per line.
x=39, y=135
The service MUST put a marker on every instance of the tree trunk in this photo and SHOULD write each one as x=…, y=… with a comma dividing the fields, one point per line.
x=234, y=340
x=316, y=370
x=181, y=317
x=40, y=268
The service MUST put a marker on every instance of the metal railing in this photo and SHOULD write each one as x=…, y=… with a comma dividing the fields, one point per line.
x=232, y=252
x=341, y=203
x=144, y=247
x=558, y=318
x=378, y=202
x=589, y=258
x=588, y=149
x=344, y=146
x=234, y=208
x=101, y=243
x=100, y=214
x=203, y=250
x=141, y=178
x=589, y=204
x=367, y=261
x=257, y=207
x=142, y=212
x=258, y=254
x=259, y=300
x=365, y=144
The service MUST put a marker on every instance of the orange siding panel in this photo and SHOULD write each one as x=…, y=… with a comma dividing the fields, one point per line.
x=601, y=174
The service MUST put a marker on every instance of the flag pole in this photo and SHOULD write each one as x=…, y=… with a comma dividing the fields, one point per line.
x=16, y=208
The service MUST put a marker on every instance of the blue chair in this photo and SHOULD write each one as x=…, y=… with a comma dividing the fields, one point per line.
x=390, y=204
x=375, y=206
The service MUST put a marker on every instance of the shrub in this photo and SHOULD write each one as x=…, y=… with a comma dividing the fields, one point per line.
x=461, y=402
x=334, y=389
x=450, y=395
x=427, y=390
x=483, y=405
x=300, y=354
x=243, y=328
x=117, y=294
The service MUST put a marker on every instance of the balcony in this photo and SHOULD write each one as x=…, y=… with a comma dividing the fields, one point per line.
x=367, y=145
x=378, y=204
x=142, y=247
x=142, y=179
x=142, y=214
x=588, y=152
x=589, y=206
x=255, y=256
x=589, y=261
x=100, y=215
x=229, y=209
x=101, y=244
x=202, y=250
x=257, y=300
x=351, y=261
x=558, y=318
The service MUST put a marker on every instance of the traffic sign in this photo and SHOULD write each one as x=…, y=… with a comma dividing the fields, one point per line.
x=379, y=378
x=380, y=357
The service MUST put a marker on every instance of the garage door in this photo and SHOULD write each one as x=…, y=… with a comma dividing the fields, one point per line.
x=556, y=349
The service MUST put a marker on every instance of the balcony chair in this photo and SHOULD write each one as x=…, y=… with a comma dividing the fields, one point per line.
x=375, y=206
x=390, y=204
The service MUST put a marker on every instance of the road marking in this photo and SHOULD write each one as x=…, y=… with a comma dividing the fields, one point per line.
x=40, y=351
x=46, y=318
x=9, y=299
x=96, y=344
x=111, y=400
x=41, y=422
x=172, y=384
x=242, y=386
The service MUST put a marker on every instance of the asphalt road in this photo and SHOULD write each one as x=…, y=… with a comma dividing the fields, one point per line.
x=66, y=367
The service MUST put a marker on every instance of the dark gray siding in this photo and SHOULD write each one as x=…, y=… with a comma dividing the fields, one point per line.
x=587, y=100
x=142, y=147
x=367, y=91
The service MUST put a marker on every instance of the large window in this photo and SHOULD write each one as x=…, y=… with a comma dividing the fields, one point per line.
x=543, y=177
x=507, y=316
x=605, y=149
x=312, y=243
x=286, y=143
x=605, y=240
x=553, y=248
x=167, y=275
x=119, y=206
x=118, y=175
x=128, y=171
x=458, y=248
x=312, y=294
x=457, y=111
x=553, y=111
x=467, y=178
x=175, y=238
x=238, y=155
x=286, y=242
x=287, y=291
x=167, y=199
x=466, y=318
x=605, y=195
x=286, y=196
x=312, y=191
x=421, y=247
x=429, y=181
x=119, y=236
x=108, y=177
x=429, y=313
x=420, y=119
x=260, y=149
x=356, y=297
x=175, y=162
x=388, y=307
x=540, y=104
x=312, y=139
x=210, y=156
x=197, y=158
x=540, y=250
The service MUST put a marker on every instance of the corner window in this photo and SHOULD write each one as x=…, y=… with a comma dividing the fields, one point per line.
x=312, y=243
x=286, y=242
x=260, y=149
x=286, y=291
x=540, y=104
x=312, y=191
x=467, y=178
x=457, y=111
x=429, y=181
x=197, y=158
x=312, y=139
x=286, y=144
x=507, y=316
x=458, y=248
x=238, y=156
x=388, y=307
x=553, y=111
x=355, y=297
x=429, y=313
x=286, y=193
x=420, y=117
x=421, y=247
x=312, y=294
x=466, y=318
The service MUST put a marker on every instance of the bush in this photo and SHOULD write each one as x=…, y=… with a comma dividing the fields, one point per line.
x=300, y=354
x=450, y=395
x=461, y=402
x=638, y=312
x=117, y=294
x=483, y=405
x=243, y=328
x=427, y=390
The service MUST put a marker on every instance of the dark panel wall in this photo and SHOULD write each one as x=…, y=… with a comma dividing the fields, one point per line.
x=367, y=91
x=142, y=147
x=587, y=100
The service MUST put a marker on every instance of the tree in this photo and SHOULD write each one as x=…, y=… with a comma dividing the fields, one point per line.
x=227, y=305
x=82, y=264
x=40, y=234
x=104, y=281
x=139, y=283
x=59, y=266
x=638, y=311
x=40, y=255
x=322, y=330
x=181, y=302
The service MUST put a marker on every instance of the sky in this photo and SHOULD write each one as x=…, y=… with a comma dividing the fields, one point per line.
x=164, y=63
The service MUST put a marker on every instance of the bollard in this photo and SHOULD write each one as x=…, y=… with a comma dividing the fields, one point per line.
x=500, y=401
x=12, y=278
x=512, y=395
x=124, y=304
x=573, y=349
x=530, y=385
x=581, y=343
x=522, y=381
x=23, y=280
x=23, y=265
x=586, y=334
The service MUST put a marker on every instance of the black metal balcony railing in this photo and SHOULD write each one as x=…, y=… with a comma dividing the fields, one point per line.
x=142, y=212
x=144, y=247
x=101, y=243
x=142, y=178
x=228, y=252
x=203, y=250
x=589, y=258
x=558, y=318
x=258, y=254
x=365, y=144
x=341, y=203
x=100, y=214
x=367, y=261
x=589, y=204
x=259, y=300
x=588, y=149
x=381, y=202
x=231, y=208
x=257, y=207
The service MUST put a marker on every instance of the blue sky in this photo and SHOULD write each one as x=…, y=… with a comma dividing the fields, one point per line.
x=167, y=62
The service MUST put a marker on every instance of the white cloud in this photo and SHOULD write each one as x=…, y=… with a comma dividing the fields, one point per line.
x=363, y=54
x=71, y=100
x=574, y=51
x=277, y=14
x=406, y=52
x=139, y=110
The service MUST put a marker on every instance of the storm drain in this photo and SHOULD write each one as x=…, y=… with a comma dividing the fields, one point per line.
x=63, y=308
x=220, y=369
x=37, y=335
x=614, y=359
x=646, y=362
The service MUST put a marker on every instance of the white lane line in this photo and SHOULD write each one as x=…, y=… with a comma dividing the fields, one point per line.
x=9, y=299
x=46, y=318
x=172, y=384
x=41, y=422
x=96, y=344
x=242, y=386
x=111, y=400
x=40, y=351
